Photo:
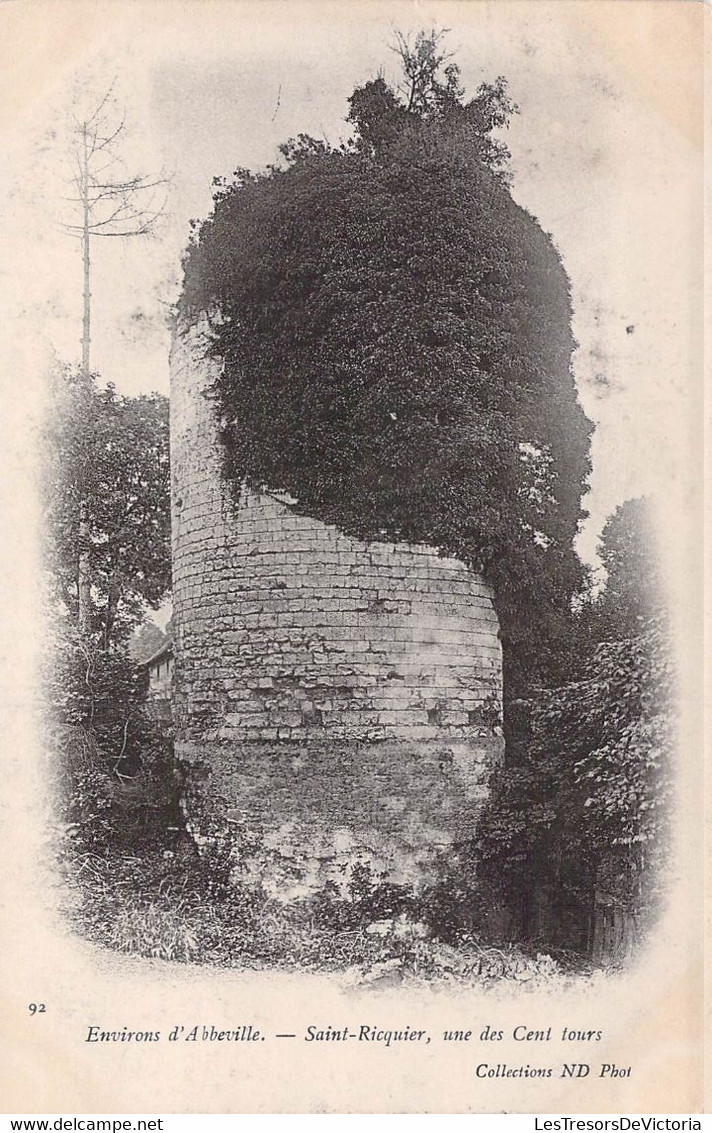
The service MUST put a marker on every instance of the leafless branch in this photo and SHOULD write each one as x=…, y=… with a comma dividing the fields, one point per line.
x=279, y=99
x=103, y=102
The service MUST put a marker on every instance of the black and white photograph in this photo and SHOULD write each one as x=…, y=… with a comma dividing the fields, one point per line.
x=352, y=570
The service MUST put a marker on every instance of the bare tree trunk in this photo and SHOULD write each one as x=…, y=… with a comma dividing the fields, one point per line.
x=84, y=570
x=84, y=532
x=86, y=320
x=84, y=194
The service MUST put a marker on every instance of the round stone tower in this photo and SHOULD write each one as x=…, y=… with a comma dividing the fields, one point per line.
x=336, y=701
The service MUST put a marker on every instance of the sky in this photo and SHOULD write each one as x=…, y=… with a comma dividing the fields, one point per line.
x=606, y=153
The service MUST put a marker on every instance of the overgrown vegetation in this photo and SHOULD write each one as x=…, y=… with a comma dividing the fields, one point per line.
x=167, y=906
x=395, y=339
x=580, y=816
x=395, y=332
x=105, y=495
x=106, y=505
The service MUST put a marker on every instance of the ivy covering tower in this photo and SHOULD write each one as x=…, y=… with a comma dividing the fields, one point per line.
x=380, y=492
x=395, y=338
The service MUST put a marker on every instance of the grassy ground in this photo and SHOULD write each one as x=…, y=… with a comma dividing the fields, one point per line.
x=156, y=905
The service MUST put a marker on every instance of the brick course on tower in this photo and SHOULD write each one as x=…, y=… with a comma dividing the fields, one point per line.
x=335, y=700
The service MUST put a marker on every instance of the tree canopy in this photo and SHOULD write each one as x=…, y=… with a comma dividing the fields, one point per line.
x=395, y=333
x=632, y=594
x=585, y=807
x=106, y=466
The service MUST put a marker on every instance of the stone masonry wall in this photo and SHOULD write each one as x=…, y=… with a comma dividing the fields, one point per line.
x=338, y=699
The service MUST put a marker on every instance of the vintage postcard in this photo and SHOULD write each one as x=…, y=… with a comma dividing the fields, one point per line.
x=352, y=557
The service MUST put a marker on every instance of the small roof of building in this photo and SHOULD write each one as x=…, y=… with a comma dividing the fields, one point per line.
x=166, y=650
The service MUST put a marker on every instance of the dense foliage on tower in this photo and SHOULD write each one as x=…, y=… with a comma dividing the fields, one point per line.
x=395, y=332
